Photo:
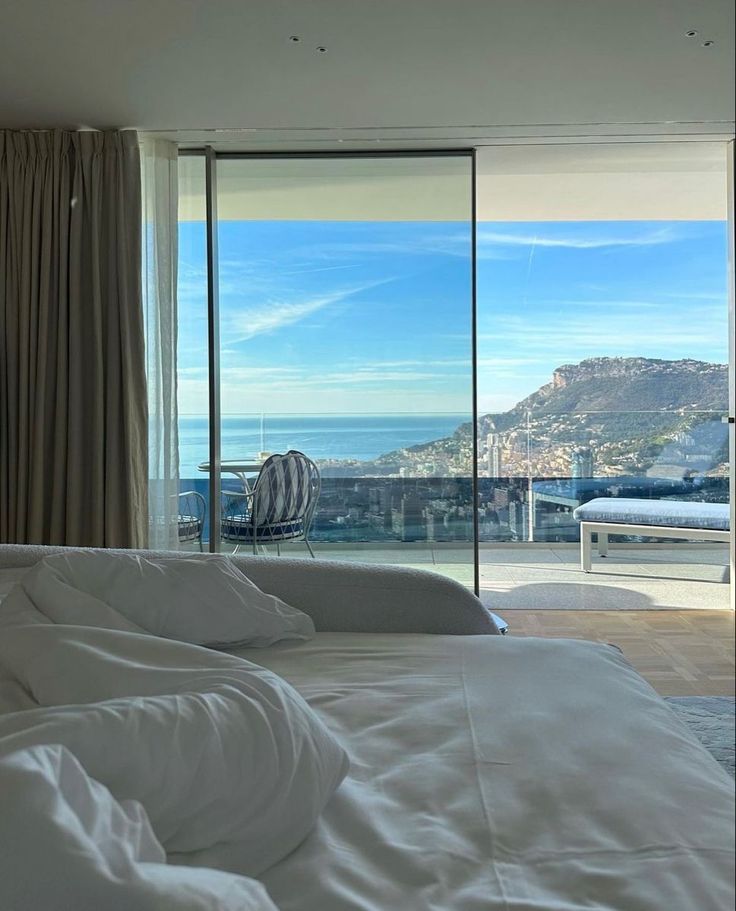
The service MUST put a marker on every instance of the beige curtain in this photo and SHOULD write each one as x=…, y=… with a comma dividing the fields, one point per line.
x=73, y=448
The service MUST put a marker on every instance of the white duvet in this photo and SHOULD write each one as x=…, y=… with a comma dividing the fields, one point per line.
x=487, y=774
x=491, y=773
x=66, y=844
x=212, y=750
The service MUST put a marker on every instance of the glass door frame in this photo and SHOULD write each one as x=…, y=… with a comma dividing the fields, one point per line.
x=731, y=191
x=211, y=157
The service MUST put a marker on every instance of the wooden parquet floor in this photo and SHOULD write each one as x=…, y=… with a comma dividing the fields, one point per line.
x=681, y=653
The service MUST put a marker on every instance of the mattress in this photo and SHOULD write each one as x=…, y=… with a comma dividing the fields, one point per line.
x=496, y=773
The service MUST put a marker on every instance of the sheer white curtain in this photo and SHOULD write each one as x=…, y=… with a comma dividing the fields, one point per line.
x=159, y=180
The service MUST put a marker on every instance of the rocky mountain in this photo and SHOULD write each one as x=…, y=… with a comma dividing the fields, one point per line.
x=618, y=415
x=625, y=384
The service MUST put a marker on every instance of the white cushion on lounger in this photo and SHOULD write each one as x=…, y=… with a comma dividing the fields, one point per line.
x=674, y=513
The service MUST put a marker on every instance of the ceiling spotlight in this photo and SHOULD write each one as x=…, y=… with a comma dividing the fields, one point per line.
x=691, y=34
x=321, y=50
x=708, y=43
x=294, y=39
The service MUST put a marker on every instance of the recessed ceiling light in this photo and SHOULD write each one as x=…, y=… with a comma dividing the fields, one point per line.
x=294, y=39
x=691, y=34
x=708, y=43
x=321, y=50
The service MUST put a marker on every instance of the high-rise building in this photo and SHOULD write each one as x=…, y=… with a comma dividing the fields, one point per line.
x=495, y=455
x=519, y=520
x=408, y=521
x=581, y=463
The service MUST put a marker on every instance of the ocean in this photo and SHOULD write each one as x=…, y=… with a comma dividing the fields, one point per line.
x=344, y=436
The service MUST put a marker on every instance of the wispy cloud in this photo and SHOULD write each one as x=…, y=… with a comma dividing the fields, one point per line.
x=457, y=244
x=275, y=314
x=606, y=332
x=365, y=372
x=429, y=361
x=308, y=270
x=664, y=235
x=368, y=376
x=249, y=374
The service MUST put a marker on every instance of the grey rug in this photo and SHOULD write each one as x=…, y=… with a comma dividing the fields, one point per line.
x=711, y=719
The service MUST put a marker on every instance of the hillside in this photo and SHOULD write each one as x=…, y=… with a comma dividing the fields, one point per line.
x=631, y=415
x=606, y=384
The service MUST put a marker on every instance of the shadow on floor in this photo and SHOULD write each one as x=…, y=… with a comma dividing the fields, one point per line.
x=567, y=596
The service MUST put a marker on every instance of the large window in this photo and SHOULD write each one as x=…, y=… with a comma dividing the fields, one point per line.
x=602, y=313
x=346, y=318
x=345, y=303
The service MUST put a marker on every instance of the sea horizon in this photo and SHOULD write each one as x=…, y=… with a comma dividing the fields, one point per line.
x=361, y=436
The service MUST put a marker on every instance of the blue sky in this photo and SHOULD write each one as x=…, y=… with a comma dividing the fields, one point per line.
x=332, y=317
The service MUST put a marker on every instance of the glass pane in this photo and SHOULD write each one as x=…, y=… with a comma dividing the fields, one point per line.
x=345, y=302
x=192, y=357
x=602, y=358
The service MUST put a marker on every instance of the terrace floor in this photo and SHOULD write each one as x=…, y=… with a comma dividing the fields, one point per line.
x=548, y=577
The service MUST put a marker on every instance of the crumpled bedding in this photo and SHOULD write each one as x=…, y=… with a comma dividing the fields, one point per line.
x=213, y=749
x=496, y=774
x=67, y=844
x=203, y=601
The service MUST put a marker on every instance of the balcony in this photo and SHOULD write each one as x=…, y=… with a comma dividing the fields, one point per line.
x=538, y=577
x=528, y=537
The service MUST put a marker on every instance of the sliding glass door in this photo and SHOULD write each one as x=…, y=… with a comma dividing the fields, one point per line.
x=349, y=331
x=603, y=365
x=345, y=324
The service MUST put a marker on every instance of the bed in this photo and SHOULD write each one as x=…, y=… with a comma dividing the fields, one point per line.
x=486, y=772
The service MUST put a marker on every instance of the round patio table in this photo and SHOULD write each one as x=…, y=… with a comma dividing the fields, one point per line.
x=241, y=468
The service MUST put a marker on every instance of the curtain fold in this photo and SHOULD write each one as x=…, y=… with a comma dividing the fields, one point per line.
x=73, y=411
x=159, y=179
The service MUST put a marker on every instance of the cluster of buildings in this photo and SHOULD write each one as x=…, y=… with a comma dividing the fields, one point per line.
x=395, y=509
x=502, y=458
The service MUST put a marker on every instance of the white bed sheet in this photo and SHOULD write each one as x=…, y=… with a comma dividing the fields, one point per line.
x=500, y=773
x=495, y=773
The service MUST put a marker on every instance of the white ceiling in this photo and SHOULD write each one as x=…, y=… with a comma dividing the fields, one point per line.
x=398, y=71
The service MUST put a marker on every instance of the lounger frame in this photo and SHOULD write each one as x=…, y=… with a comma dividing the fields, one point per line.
x=604, y=529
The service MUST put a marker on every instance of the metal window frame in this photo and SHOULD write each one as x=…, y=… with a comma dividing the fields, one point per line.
x=211, y=157
x=731, y=202
x=213, y=345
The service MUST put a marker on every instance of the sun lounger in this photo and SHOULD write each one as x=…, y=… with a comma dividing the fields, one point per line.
x=656, y=518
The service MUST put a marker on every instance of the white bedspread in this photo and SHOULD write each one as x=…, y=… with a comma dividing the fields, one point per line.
x=493, y=773
x=498, y=774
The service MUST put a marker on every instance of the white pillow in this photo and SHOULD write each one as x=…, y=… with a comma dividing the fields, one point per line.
x=66, y=843
x=218, y=750
x=206, y=602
